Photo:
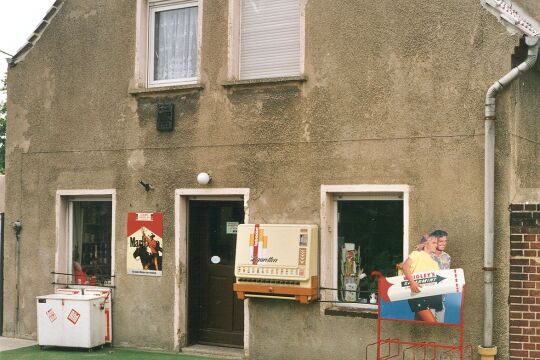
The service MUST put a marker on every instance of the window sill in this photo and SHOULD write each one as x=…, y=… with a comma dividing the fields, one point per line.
x=166, y=89
x=351, y=312
x=265, y=81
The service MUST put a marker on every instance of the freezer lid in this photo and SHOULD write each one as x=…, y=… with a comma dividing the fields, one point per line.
x=69, y=297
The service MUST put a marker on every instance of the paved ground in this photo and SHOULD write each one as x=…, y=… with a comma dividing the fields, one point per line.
x=11, y=343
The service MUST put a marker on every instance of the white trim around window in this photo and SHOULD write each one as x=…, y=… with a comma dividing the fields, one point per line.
x=64, y=199
x=261, y=44
x=181, y=64
x=330, y=194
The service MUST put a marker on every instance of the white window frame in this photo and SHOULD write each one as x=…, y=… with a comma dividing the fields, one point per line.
x=330, y=195
x=144, y=60
x=234, y=38
x=64, y=228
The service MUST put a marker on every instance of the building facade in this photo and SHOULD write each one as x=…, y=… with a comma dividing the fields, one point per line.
x=363, y=118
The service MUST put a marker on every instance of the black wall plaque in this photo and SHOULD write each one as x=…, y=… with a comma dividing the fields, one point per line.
x=165, y=118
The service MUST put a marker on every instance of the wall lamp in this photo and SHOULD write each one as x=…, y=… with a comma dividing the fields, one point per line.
x=17, y=226
x=203, y=178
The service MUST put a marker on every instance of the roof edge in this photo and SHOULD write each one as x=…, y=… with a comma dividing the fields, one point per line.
x=36, y=34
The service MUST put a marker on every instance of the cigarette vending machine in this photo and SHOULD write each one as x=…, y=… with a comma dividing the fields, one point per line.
x=277, y=261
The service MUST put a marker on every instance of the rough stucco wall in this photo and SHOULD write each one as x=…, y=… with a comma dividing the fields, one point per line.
x=525, y=136
x=394, y=96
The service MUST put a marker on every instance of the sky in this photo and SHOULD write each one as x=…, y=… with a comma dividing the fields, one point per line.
x=18, y=20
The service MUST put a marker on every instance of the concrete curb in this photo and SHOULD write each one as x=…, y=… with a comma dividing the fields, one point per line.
x=7, y=343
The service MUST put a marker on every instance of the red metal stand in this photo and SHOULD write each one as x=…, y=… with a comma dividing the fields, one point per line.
x=389, y=348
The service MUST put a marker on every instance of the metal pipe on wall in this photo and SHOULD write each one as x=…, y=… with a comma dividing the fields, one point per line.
x=17, y=226
x=2, y=217
x=17, y=285
x=489, y=183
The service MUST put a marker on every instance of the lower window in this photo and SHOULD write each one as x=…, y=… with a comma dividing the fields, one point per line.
x=90, y=223
x=370, y=232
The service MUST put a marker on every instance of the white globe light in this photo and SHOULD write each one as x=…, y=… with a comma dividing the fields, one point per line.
x=203, y=178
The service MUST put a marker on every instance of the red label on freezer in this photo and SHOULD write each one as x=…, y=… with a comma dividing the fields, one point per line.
x=73, y=316
x=107, y=334
x=51, y=315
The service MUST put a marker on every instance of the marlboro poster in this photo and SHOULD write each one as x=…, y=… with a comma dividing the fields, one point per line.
x=442, y=290
x=144, y=243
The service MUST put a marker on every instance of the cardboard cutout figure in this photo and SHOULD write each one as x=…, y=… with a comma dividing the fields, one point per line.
x=395, y=292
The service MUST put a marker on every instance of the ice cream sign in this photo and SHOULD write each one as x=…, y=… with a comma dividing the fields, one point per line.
x=444, y=286
x=432, y=283
x=427, y=278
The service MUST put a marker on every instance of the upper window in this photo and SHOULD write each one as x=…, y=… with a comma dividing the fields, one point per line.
x=173, y=42
x=267, y=38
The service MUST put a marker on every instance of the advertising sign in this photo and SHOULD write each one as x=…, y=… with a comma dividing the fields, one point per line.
x=277, y=261
x=144, y=243
x=441, y=290
x=275, y=251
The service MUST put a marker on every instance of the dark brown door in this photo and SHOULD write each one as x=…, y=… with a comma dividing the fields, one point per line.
x=215, y=316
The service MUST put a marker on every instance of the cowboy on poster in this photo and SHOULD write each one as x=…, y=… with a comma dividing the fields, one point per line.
x=144, y=243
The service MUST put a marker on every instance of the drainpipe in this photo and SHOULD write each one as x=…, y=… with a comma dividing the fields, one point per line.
x=487, y=350
x=17, y=226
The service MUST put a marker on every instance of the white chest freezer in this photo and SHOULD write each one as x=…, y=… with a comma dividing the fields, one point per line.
x=106, y=296
x=104, y=293
x=70, y=320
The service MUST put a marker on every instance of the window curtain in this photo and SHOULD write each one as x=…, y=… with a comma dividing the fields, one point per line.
x=77, y=240
x=175, y=44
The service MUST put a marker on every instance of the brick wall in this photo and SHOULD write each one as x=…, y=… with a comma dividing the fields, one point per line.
x=524, y=281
